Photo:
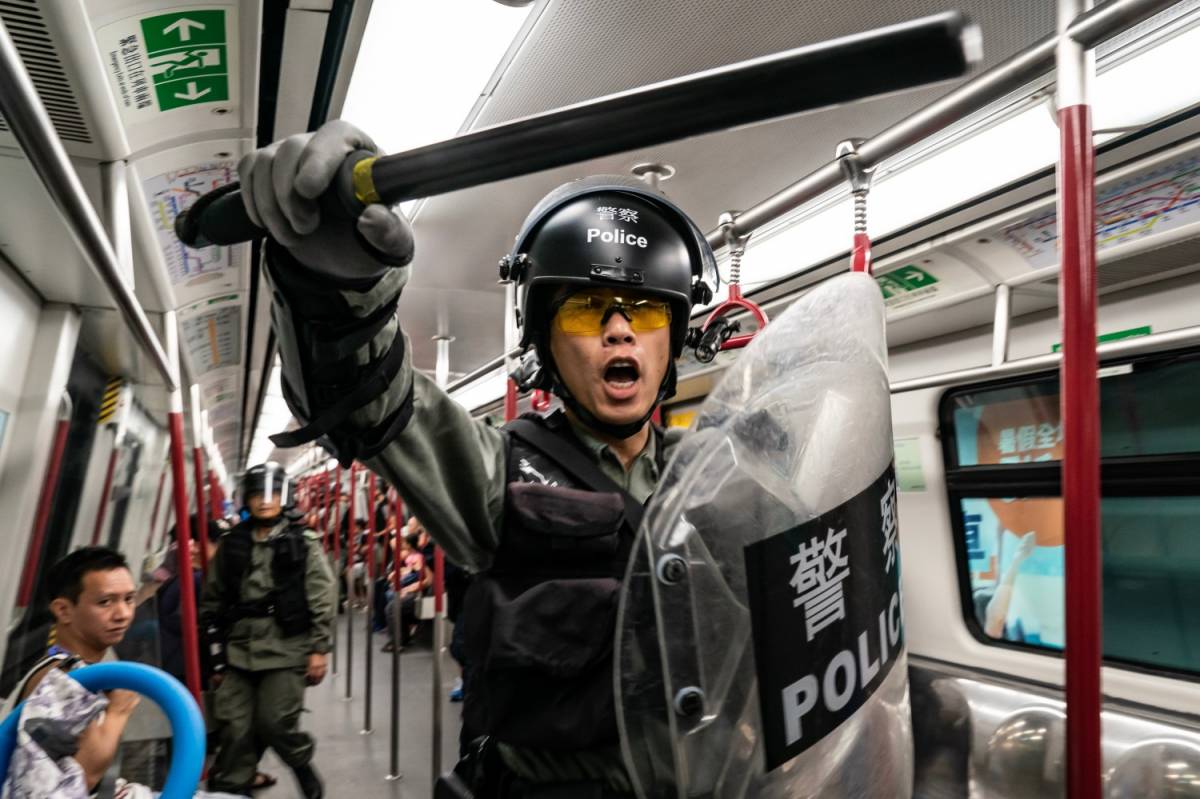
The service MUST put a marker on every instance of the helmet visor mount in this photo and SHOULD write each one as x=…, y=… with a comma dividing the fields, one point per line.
x=269, y=481
x=585, y=313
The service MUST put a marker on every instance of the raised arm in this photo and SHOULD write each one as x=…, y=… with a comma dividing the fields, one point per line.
x=347, y=367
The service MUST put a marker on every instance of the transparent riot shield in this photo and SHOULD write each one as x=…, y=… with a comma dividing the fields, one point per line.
x=760, y=640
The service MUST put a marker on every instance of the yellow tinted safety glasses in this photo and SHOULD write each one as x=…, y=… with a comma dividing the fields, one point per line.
x=584, y=313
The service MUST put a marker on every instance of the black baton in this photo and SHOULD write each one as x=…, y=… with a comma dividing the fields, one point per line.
x=842, y=70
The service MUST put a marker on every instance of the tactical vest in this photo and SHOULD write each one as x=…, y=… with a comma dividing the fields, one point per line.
x=540, y=623
x=288, y=601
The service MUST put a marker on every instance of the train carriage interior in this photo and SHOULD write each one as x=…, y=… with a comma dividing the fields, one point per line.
x=1040, y=345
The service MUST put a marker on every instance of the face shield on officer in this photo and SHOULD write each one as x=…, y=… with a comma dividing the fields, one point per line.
x=264, y=491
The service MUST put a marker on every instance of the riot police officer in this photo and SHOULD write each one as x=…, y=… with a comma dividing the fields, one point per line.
x=544, y=510
x=268, y=600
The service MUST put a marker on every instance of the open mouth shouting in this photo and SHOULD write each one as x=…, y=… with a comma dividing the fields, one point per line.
x=621, y=377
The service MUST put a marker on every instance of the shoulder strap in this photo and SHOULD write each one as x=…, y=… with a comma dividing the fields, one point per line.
x=61, y=660
x=555, y=447
x=235, y=560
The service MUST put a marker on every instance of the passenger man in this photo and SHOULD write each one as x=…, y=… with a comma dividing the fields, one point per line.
x=92, y=598
x=544, y=510
x=270, y=594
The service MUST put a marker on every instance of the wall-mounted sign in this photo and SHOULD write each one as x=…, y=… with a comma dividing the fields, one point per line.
x=211, y=331
x=910, y=471
x=907, y=285
x=170, y=194
x=167, y=61
x=1149, y=203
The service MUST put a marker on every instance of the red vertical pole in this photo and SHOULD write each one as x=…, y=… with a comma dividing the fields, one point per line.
x=324, y=489
x=337, y=511
x=1080, y=412
x=162, y=479
x=41, y=520
x=396, y=564
x=108, y=481
x=187, y=594
x=510, y=401
x=216, y=495
x=201, y=507
x=439, y=580
x=371, y=528
x=201, y=531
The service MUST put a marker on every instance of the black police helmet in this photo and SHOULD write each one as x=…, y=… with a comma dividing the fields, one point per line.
x=256, y=480
x=609, y=231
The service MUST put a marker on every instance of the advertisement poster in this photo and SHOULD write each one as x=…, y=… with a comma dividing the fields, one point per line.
x=1014, y=545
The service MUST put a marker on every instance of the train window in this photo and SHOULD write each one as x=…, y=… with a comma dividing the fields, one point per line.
x=1002, y=443
x=27, y=637
x=1146, y=408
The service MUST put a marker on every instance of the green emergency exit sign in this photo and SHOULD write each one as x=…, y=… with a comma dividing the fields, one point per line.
x=188, y=57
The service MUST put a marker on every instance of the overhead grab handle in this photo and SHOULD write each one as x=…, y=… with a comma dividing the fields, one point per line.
x=860, y=186
x=718, y=331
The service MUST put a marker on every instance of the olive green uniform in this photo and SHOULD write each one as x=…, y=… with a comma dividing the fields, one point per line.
x=259, y=701
x=450, y=469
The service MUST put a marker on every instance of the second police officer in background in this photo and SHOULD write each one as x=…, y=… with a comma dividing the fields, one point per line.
x=544, y=511
x=269, y=597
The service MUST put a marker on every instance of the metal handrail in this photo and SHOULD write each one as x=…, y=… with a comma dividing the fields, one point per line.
x=489, y=367
x=1089, y=29
x=1182, y=337
x=30, y=124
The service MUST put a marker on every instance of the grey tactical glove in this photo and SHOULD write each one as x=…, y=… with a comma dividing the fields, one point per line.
x=280, y=186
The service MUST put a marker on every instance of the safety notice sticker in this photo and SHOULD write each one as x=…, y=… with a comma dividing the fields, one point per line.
x=170, y=60
x=826, y=617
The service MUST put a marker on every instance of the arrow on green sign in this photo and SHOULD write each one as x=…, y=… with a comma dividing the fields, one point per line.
x=183, y=26
x=193, y=93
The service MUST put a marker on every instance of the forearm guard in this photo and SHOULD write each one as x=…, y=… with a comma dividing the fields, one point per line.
x=333, y=361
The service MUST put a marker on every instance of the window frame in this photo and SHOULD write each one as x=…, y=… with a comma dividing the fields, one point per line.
x=1169, y=475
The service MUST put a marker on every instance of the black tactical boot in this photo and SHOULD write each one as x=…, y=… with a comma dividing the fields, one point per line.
x=310, y=782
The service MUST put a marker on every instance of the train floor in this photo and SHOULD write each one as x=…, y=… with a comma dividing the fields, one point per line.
x=354, y=764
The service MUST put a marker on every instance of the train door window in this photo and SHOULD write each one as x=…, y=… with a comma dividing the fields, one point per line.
x=128, y=461
x=1003, y=446
x=27, y=640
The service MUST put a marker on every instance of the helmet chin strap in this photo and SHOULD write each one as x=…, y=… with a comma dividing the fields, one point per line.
x=622, y=431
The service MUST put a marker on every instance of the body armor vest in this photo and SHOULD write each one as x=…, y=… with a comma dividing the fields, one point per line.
x=540, y=623
x=288, y=601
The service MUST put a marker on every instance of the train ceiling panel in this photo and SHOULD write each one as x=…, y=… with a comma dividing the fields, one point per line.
x=60, y=54
x=579, y=50
x=184, y=78
x=179, y=71
x=1147, y=229
x=220, y=387
x=448, y=310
